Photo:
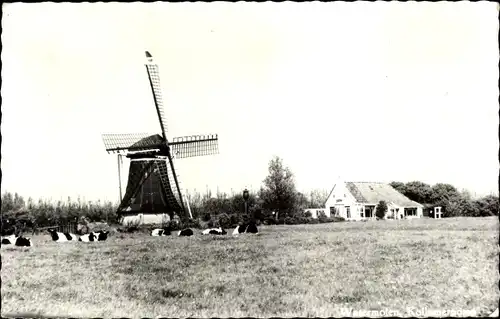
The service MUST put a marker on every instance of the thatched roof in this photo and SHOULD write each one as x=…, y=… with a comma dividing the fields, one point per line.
x=371, y=192
x=374, y=192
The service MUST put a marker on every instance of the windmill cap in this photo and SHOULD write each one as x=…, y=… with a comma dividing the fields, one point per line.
x=148, y=55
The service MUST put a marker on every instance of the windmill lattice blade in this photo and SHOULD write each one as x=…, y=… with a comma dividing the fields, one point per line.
x=195, y=145
x=154, y=79
x=132, y=142
x=167, y=178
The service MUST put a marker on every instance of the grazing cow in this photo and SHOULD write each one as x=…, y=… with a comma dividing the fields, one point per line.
x=18, y=241
x=214, y=231
x=165, y=231
x=102, y=235
x=62, y=237
x=186, y=232
x=88, y=237
x=246, y=228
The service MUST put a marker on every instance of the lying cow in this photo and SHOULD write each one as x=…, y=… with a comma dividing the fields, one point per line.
x=88, y=237
x=17, y=241
x=97, y=236
x=165, y=231
x=214, y=231
x=102, y=235
x=246, y=228
x=61, y=237
x=185, y=232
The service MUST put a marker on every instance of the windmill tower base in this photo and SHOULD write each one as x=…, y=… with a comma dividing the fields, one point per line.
x=144, y=219
x=149, y=198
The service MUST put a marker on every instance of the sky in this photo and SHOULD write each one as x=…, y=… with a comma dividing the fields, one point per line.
x=369, y=91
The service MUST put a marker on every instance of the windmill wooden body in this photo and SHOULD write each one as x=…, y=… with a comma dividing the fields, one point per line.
x=153, y=187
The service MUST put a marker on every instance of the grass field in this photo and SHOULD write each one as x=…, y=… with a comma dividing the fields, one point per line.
x=303, y=270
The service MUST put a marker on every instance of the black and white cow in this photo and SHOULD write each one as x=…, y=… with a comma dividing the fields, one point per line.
x=17, y=241
x=165, y=231
x=185, y=232
x=102, y=235
x=61, y=237
x=246, y=228
x=97, y=236
x=88, y=237
x=214, y=231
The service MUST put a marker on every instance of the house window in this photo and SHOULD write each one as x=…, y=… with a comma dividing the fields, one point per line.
x=348, y=211
x=410, y=211
x=332, y=211
x=369, y=211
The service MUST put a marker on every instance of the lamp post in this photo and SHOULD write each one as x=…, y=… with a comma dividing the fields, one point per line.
x=246, y=195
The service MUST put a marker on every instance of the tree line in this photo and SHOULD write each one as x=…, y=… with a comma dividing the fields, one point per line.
x=276, y=202
x=454, y=203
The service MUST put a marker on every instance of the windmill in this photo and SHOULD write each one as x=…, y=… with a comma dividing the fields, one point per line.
x=153, y=185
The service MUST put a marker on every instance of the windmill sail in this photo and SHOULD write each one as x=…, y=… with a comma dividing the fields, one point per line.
x=154, y=80
x=131, y=142
x=196, y=145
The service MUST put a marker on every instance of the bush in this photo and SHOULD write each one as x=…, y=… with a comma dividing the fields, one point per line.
x=190, y=223
x=234, y=220
x=206, y=217
x=314, y=221
x=224, y=221
x=331, y=219
x=381, y=210
x=269, y=221
x=303, y=220
x=321, y=214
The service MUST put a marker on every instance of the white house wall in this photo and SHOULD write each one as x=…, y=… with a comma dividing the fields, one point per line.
x=339, y=198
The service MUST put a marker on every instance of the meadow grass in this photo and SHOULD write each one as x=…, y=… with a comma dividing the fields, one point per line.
x=286, y=271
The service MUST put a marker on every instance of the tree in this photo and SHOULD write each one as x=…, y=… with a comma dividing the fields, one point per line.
x=487, y=206
x=458, y=206
x=400, y=187
x=318, y=198
x=442, y=192
x=301, y=200
x=418, y=191
x=447, y=196
x=278, y=193
x=7, y=202
x=381, y=209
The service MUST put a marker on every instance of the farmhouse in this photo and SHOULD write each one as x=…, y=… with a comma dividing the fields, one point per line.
x=358, y=200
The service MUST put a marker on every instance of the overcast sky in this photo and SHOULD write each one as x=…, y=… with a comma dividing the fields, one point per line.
x=368, y=91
